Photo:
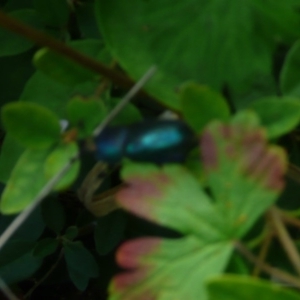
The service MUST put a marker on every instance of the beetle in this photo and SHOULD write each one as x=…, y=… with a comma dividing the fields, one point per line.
x=157, y=141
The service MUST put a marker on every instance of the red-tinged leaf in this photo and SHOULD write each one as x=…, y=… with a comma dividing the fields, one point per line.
x=245, y=174
x=173, y=268
x=170, y=196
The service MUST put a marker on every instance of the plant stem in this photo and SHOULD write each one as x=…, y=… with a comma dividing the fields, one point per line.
x=55, y=45
x=285, y=239
x=263, y=254
x=289, y=219
x=281, y=275
x=53, y=267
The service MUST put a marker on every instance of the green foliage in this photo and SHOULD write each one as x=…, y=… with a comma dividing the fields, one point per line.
x=200, y=105
x=52, y=12
x=221, y=46
x=109, y=231
x=21, y=189
x=278, y=115
x=81, y=264
x=225, y=288
x=85, y=114
x=31, y=125
x=57, y=160
x=53, y=214
x=290, y=74
x=240, y=193
x=10, y=152
x=230, y=70
x=12, y=44
x=67, y=71
x=45, y=247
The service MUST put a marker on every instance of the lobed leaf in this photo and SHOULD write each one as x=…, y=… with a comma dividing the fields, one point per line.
x=244, y=177
x=245, y=174
x=170, y=196
x=167, y=269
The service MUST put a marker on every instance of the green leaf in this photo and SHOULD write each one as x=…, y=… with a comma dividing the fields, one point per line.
x=109, y=232
x=71, y=233
x=81, y=264
x=12, y=44
x=67, y=71
x=57, y=94
x=220, y=47
x=31, y=229
x=282, y=19
x=85, y=114
x=247, y=288
x=13, y=250
x=58, y=159
x=31, y=125
x=150, y=194
x=200, y=105
x=52, y=12
x=85, y=15
x=277, y=115
x=290, y=73
x=25, y=183
x=53, y=214
x=130, y=114
x=168, y=269
x=20, y=269
x=14, y=72
x=45, y=247
x=245, y=175
x=10, y=152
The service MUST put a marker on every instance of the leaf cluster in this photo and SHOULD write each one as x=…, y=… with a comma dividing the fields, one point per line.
x=222, y=225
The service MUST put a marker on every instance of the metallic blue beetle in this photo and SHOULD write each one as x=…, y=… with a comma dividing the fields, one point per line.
x=159, y=141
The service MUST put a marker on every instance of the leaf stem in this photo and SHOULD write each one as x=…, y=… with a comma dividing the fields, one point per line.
x=38, y=283
x=55, y=45
x=274, y=272
x=263, y=254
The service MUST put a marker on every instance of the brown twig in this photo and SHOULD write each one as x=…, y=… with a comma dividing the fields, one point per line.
x=53, y=267
x=263, y=254
x=274, y=272
x=289, y=219
x=45, y=40
x=285, y=239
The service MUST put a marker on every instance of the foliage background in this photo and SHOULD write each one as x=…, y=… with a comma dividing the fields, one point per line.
x=214, y=59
